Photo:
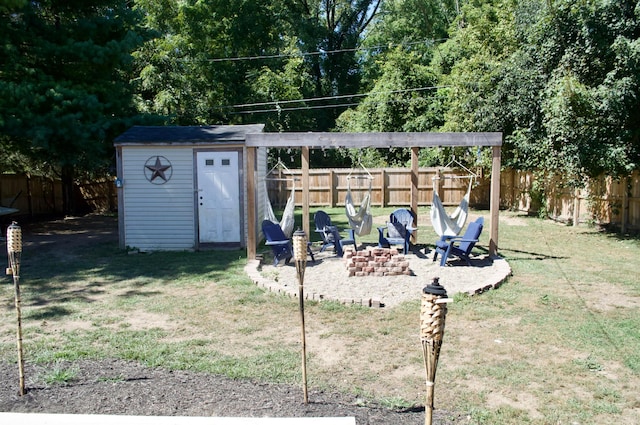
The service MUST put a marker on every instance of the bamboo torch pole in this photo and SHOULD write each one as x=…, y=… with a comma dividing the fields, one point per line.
x=432, y=317
x=14, y=250
x=300, y=256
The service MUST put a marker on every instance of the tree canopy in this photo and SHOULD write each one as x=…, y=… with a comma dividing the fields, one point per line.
x=560, y=79
x=64, y=82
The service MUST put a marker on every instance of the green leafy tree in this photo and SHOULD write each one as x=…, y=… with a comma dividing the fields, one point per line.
x=279, y=92
x=9, y=5
x=418, y=26
x=211, y=56
x=468, y=63
x=401, y=100
x=286, y=63
x=64, y=83
x=329, y=32
x=560, y=79
x=402, y=86
x=591, y=108
x=206, y=56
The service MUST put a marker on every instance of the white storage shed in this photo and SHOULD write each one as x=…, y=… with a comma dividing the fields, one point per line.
x=184, y=187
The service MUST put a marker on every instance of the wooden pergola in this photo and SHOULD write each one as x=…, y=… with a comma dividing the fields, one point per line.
x=415, y=141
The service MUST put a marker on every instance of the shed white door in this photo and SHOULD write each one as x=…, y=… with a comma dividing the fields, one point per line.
x=218, y=197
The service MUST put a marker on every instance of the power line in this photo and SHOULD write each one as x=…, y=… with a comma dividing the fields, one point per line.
x=316, y=53
x=299, y=108
x=307, y=107
x=317, y=99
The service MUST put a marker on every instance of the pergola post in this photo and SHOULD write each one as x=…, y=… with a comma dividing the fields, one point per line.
x=494, y=205
x=414, y=189
x=251, y=204
x=305, y=191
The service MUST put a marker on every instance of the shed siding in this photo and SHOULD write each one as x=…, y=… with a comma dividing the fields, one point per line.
x=158, y=216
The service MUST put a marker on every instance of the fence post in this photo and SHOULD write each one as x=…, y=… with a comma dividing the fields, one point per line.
x=333, y=185
x=515, y=190
x=383, y=190
x=29, y=196
x=252, y=241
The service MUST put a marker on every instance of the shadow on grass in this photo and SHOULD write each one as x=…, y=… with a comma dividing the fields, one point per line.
x=520, y=255
x=48, y=313
x=52, y=278
x=615, y=231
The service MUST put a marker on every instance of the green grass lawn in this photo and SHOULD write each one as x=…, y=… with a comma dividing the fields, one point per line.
x=558, y=343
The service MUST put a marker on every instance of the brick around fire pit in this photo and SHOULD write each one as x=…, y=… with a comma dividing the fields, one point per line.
x=376, y=262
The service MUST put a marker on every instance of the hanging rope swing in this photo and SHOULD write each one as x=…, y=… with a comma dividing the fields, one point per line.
x=287, y=222
x=360, y=220
x=443, y=223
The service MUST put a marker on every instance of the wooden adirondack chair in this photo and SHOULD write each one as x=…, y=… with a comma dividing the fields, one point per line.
x=280, y=245
x=459, y=246
x=331, y=235
x=398, y=231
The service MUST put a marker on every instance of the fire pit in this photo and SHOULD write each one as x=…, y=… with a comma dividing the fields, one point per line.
x=374, y=261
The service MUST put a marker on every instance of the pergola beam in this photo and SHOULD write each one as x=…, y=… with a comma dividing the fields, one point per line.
x=371, y=140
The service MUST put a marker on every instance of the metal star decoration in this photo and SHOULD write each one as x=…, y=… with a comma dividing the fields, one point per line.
x=158, y=170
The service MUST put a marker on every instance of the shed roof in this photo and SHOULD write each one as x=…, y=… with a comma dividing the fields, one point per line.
x=192, y=134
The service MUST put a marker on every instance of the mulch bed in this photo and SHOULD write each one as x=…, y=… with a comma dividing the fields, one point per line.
x=117, y=387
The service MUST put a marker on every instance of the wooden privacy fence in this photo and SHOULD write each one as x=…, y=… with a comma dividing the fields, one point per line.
x=604, y=201
x=37, y=196
x=32, y=195
x=389, y=186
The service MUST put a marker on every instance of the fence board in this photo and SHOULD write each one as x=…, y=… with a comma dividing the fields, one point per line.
x=41, y=196
x=32, y=195
x=100, y=196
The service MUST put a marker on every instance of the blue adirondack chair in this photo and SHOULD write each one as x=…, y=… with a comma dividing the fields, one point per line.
x=279, y=243
x=281, y=246
x=398, y=230
x=459, y=246
x=330, y=234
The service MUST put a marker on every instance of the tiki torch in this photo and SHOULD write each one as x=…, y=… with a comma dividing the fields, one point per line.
x=14, y=250
x=300, y=256
x=432, y=317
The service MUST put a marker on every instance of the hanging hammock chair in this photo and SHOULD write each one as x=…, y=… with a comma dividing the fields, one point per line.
x=449, y=225
x=360, y=220
x=287, y=222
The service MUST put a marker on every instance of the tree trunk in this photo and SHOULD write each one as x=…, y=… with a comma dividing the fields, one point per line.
x=68, y=197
